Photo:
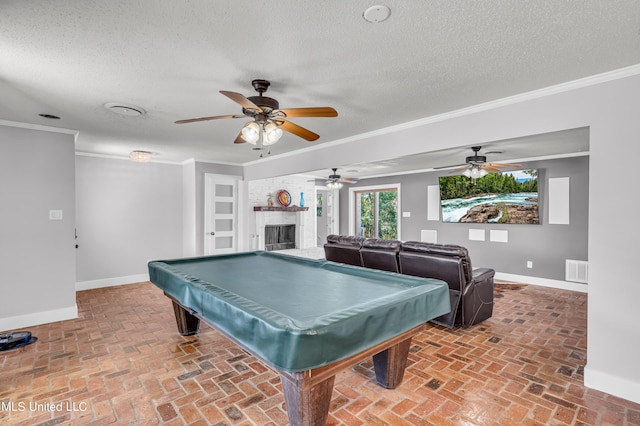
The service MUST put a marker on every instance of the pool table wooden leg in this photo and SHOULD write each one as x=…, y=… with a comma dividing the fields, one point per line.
x=390, y=364
x=187, y=324
x=307, y=403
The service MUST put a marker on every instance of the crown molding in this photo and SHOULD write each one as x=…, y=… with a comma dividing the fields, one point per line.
x=40, y=127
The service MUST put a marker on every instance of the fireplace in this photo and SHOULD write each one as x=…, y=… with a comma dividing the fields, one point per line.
x=297, y=235
x=279, y=237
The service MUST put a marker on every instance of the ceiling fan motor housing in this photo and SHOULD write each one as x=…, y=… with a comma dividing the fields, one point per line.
x=266, y=103
x=260, y=85
x=476, y=159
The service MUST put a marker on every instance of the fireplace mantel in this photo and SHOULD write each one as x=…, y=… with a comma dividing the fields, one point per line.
x=279, y=209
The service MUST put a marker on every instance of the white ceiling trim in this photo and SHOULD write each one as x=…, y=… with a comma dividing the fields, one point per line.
x=39, y=127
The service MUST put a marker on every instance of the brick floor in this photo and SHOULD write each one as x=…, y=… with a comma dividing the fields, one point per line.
x=123, y=362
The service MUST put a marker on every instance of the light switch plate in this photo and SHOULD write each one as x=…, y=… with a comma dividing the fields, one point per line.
x=55, y=214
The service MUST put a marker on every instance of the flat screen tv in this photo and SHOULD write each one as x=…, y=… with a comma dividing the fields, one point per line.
x=506, y=197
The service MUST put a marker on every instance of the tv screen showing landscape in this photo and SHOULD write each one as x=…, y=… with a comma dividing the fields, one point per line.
x=506, y=197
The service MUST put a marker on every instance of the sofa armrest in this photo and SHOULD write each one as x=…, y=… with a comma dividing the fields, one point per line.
x=483, y=274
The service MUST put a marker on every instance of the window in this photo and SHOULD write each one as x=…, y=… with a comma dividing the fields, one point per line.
x=375, y=211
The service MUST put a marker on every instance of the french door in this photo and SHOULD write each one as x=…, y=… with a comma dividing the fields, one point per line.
x=375, y=211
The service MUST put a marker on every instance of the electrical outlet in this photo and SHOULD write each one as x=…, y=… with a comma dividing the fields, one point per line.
x=529, y=264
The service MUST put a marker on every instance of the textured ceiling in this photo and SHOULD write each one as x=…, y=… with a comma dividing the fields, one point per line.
x=71, y=57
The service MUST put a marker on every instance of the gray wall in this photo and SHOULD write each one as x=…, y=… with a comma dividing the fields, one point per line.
x=127, y=214
x=547, y=246
x=189, y=196
x=37, y=273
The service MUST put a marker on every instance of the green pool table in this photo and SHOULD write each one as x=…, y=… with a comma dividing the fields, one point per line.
x=306, y=319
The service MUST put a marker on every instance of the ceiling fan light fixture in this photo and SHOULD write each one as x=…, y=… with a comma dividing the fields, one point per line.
x=272, y=133
x=475, y=172
x=334, y=185
x=251, y=132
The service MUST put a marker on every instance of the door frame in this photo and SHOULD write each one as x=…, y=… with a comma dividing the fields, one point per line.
x=352, y=205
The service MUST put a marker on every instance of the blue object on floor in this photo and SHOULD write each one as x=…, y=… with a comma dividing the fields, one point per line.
x=16, y=340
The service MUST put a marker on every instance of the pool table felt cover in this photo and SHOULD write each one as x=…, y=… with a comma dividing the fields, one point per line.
x=296, y=313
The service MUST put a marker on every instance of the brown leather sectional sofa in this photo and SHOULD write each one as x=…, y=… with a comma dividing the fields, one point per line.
x=470, y=291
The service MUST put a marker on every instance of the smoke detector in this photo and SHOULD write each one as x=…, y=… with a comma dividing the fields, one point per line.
x=376, y=14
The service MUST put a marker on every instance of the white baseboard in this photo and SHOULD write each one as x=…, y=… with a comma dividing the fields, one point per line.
x=37, y=318
x=110, y=282
x=613, y=385
x=545, y=282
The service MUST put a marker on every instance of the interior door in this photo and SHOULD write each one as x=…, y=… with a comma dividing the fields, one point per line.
x=221, y=214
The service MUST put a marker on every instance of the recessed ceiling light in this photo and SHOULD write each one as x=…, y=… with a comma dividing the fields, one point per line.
x=50, y=116
x=123, y=109
x=376, y=14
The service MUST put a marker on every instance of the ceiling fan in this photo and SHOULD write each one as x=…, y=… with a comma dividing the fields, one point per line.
x=268, y=120
x=476, y=165
x=335, y=181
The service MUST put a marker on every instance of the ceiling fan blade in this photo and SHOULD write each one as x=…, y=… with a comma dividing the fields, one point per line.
x=215, y=117
x=448, y=167
x=458, y=169
x=239, y=138
x=513, y=166
x=298, y=130
x=241, y=99
x=349, y=180
x=490, y=169
x=310, y=112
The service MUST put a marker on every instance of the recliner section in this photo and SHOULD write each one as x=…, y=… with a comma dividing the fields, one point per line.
x=344, y=249
x=470, y=291
x=380, y=254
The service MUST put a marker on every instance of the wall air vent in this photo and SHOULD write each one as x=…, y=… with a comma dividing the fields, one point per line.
x=577, y=271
